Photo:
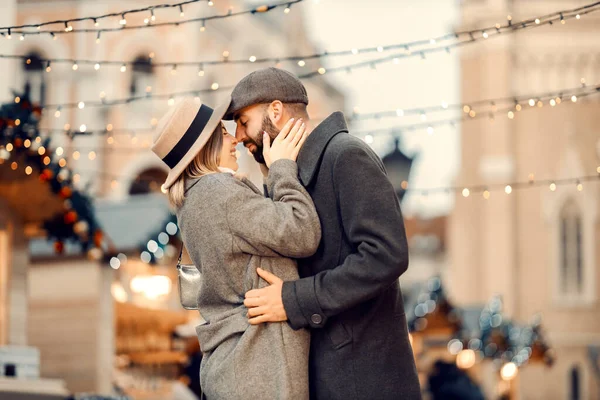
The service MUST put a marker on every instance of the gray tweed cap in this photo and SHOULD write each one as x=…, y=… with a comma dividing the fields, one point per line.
x=264, y=86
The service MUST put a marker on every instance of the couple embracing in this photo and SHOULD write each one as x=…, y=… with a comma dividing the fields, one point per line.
x=299, y=288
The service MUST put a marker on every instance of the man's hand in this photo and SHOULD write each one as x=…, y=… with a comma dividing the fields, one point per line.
x=266, y=305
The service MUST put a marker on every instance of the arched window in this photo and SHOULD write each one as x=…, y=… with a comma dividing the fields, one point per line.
x=574, y=384
x=141, y=76
x=148, y=181
x=571, y=249
x=33, y=69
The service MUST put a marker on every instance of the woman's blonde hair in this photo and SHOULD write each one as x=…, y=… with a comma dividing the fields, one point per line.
x=205, y=162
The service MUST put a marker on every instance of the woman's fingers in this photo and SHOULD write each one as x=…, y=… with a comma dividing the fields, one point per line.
x=293, y=131
x=285, y=130
x=267, y=148
x=299, y=135
x=299, y=145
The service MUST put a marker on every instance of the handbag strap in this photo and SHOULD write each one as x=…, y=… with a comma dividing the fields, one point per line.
x=180, y=254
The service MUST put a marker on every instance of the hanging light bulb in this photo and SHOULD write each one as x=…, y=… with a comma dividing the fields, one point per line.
x=75, y=66
x=96, y=22
x=211, y=3
x=97, y=66
x=301, y=63
x=287, y=9
x=174, y=69
x=48, y=67
x=22, y=37
x=203, y=26
x=98, y=38
x=123, y=67
x=181, y=13
x=252, y=59
x=123, y=20
x=201, y=70
x=8, y=35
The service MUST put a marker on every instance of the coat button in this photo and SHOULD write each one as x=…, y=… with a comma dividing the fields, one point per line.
x=316, y=319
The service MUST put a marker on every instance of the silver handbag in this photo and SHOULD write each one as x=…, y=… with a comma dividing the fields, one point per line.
x=188, y=282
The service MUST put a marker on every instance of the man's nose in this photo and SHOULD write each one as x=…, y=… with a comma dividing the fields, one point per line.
x=239, y=134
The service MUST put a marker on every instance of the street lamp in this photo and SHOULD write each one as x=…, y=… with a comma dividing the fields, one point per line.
x=397, y=165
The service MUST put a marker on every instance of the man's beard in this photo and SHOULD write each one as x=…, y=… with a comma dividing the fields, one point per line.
x=271, y=129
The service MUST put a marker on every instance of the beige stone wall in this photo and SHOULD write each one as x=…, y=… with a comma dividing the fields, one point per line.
x=13, y=272
x=509, y=243
x=71, y=322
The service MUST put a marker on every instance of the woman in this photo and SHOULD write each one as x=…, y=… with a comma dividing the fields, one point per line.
x=229, y=230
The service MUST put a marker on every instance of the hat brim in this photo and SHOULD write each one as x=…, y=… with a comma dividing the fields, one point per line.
x=207, y=132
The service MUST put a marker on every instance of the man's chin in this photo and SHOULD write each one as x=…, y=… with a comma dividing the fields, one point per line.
x=258, y=157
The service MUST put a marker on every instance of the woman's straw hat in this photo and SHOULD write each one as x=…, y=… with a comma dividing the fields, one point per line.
x=183, y=131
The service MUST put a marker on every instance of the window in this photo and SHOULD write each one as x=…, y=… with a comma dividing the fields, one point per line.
x=148, y=181
x=142, y=76
x=571, y=249
x=33, y=69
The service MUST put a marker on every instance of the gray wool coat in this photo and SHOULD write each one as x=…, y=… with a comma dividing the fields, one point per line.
x=229, y=229
x=349, y=295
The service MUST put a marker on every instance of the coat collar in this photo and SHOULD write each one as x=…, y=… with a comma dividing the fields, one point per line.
x=311, y=153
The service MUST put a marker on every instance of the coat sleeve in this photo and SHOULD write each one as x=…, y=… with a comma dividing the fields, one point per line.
x=373, y=224
x=285, y=224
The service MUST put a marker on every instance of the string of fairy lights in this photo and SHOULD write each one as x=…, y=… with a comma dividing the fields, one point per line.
x=464, y=38
x=412, y=48
x=473, y=110
x=485, y=190
x=150, y=22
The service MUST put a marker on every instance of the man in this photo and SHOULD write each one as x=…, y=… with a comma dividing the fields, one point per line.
x=348, y=295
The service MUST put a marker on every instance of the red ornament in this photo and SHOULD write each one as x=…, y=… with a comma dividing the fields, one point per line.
x=18, y=142
x=65, y=192
x=71, y=217
x=46, y=175
x=59, y=247
x=98, y=236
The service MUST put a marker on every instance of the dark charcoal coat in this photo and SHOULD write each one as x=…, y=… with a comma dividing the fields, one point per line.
x=349, y=294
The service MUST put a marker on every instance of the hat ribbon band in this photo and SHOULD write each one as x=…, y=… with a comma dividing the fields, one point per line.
x=189, y=137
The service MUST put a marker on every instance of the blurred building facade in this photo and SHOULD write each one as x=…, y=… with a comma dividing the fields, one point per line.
x=536, y=247
x=65, y=305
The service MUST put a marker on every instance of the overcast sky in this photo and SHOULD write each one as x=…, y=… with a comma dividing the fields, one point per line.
x=345, y=24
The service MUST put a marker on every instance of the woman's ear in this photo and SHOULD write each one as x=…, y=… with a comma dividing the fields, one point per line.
x=276, y=111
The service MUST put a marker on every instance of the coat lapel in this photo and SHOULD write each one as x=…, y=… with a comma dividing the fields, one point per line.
x=310, y=156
